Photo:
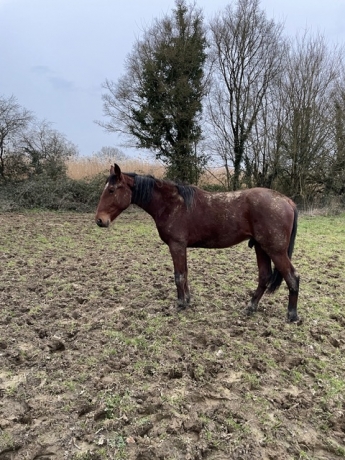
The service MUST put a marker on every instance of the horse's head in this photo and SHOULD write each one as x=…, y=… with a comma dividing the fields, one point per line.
x=116, y=197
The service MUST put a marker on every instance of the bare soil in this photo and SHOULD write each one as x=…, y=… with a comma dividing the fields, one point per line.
x=96, y=362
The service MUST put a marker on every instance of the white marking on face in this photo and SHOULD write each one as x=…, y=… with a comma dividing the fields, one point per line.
x=106, y=185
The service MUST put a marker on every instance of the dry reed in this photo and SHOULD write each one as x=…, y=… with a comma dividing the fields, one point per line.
x=87, y=167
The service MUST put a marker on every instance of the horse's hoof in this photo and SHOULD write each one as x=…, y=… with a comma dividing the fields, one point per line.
x=248, y=311
x=295, y=319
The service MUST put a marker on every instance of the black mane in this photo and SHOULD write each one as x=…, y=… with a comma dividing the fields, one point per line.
x=143, y=188
x=144, y=185
x=187, y=192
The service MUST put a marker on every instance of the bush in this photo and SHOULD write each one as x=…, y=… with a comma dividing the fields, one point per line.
x=214, y=187
x=82, y=195
x=45, y=193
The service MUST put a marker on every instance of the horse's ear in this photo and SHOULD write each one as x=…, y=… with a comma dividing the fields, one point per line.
x=117, y=170
x=112, y=170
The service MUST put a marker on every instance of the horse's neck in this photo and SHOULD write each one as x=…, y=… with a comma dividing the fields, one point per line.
x=156, y=206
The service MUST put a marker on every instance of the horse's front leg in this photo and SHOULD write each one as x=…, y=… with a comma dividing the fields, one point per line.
x=178, y=253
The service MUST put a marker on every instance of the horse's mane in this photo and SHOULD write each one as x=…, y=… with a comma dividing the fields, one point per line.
x=144, y=185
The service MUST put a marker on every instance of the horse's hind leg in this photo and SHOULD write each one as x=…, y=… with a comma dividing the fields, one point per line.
x=292, y=280
x=265, y=273
x=285, y=267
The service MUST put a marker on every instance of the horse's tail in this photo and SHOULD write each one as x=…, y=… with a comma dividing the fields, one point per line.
x=276, y=278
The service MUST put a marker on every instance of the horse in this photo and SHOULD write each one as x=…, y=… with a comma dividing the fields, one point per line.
x=189, y=217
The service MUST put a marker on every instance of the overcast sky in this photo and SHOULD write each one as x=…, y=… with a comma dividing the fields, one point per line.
x=55, y=54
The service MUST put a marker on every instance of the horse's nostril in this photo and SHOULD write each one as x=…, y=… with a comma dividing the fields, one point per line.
x=99, y=222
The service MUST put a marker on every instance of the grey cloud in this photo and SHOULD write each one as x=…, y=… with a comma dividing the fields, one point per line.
x=61, y=83
x=41, y=70
x=51, y=76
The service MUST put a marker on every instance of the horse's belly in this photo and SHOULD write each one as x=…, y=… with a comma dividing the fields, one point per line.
x=219, y=242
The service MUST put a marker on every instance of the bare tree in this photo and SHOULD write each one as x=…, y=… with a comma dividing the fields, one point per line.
x=262, y=155
x=14, y=120
x=246, y=51
x=308, y=114
x=110, y=154
x=334, y=176
x=46, y=150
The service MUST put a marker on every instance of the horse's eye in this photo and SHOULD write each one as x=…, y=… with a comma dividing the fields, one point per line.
x=111, y=190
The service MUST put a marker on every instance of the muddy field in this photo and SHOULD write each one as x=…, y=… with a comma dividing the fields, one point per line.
x=96, y=363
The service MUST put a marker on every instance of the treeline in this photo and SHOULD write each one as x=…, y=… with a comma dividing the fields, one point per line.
x=33, y=164
x=29, y=147
x=233, y=91
x=33, y=157
x=276, y=107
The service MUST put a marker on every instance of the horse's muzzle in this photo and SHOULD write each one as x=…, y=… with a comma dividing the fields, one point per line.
x=100, y=223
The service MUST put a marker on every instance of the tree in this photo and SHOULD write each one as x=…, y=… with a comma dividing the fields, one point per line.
x=47, y=151
x=296, y=143
x=262, y=156
x=110, y=154
x=159, y=100
x=246, y=51
x=307, y=90
x=336, y=178
x=14, y=120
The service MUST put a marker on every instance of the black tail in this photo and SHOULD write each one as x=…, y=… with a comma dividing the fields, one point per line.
x=276, y=278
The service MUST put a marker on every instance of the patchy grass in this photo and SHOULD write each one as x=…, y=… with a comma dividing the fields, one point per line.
x=97, y=364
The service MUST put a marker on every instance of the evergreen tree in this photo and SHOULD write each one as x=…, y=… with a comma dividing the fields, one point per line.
x=159, y=100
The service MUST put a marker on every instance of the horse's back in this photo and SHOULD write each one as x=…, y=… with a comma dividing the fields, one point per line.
x=268, y=202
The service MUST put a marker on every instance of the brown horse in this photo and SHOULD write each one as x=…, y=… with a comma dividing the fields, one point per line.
x=187, y=216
